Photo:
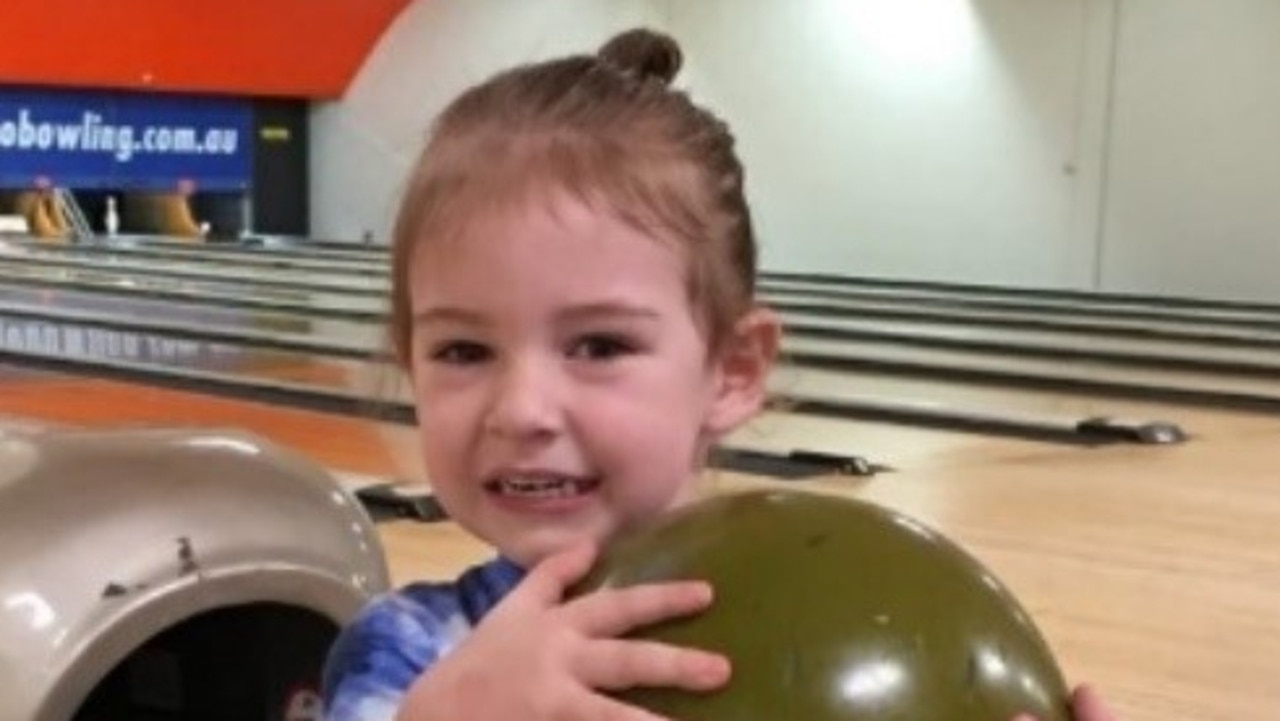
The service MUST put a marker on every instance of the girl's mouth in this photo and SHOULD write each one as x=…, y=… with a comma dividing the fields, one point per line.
x=541, y=485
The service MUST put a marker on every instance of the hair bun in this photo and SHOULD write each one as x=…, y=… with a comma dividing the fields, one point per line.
x=644, y=54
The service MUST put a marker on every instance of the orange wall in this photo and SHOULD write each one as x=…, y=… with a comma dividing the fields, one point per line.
x=295, y=48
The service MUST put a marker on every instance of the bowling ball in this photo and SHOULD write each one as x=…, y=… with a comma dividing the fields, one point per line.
x=831, y=608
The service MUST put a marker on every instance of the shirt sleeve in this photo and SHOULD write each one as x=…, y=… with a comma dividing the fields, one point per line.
x=399, y=635
x=377, y=657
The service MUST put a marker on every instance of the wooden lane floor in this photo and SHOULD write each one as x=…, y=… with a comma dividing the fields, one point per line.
x=1224, y=348
x=1082, y=375
x=895, y=447
x=1044, y=302
x=1013, y=402
x=1168, y=325
x=338, y=442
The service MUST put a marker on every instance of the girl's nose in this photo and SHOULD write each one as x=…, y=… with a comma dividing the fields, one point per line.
x=525, y=401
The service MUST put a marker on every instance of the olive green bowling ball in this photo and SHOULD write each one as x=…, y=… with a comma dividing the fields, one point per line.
x=831, y=608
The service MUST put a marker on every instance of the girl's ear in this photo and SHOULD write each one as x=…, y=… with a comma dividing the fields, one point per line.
x=741, y=370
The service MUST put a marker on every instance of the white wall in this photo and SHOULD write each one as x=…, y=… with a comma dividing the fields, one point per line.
x=919, y=138
x=1128, y=145
x=1193, y=190
x=363, y=147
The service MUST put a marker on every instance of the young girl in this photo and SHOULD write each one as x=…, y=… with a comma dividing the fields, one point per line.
x=573, y=298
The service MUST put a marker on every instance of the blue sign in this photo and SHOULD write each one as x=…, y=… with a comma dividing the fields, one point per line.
x=120, y=140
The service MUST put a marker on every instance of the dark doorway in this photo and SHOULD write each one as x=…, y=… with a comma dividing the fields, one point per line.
x=281, y=167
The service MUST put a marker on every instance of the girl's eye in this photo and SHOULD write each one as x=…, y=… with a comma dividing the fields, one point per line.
x=461, y=353
x=601, y=347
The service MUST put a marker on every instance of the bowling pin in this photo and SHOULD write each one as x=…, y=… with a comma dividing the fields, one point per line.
x=112, y=219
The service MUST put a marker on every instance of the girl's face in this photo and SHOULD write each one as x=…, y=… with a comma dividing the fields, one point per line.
x=563, y=387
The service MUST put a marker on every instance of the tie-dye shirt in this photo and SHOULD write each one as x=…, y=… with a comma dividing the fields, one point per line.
x=400, y=634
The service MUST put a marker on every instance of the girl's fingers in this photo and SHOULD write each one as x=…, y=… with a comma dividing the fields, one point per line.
x=615, y=611
x=1087, y=705
x=616, y=665
x=546, y=582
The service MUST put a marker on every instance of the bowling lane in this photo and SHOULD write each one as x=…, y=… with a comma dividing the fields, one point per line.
x=355, y=381
x=996, y=369
x=211, y=293
x=1040, y=342
x=359, y=383
x=1015, y=292
x=197, y=270
x=195, y=316
x=772, y=432
x=363, y=379
x=104, y=246
x=1017, y=341
x=900, y=447
x=932, y=394
x=1132, y=308
x=90, y=344
x=1187, y=329
x=897, y=446
x=358, y=380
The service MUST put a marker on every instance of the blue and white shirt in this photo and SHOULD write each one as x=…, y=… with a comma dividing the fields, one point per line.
x=400, y=634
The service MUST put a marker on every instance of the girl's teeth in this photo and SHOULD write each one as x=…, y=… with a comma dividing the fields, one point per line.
x=540, y=487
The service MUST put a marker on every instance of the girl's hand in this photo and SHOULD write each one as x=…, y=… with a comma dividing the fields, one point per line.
x=1086, y=705
x=538, y=657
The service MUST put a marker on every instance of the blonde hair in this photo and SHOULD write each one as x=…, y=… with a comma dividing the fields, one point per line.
x=610, y=131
